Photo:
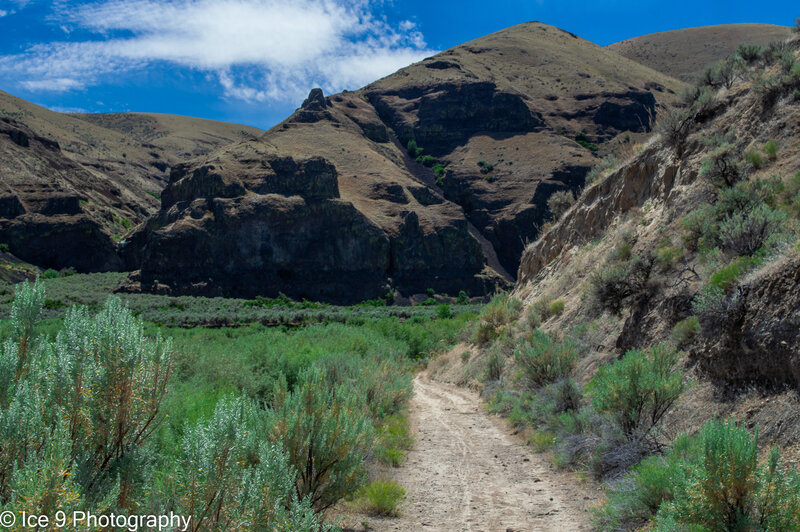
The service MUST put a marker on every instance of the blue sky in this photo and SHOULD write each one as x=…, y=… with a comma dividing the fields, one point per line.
x=253, y=61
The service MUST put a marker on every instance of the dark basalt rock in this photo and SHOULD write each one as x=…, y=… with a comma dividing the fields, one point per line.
x=760, y=341
x=61, y=241
x=448, y=114
x=288, y=231
x=631, y=111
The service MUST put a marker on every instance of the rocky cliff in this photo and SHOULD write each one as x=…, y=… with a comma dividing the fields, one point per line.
x=437, y=175
x=72, y=185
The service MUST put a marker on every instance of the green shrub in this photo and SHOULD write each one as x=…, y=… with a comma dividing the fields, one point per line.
x=383, y=498
x=499, y=312
x=556, y=307
x=725, y=277
x=495, y=362
x=754, y=159
x=666, y=255
x=597, y=171
x=443, y=311
x=728, y=490
x=326, y=436
x=638, y=389
x=637, y=497
x=413, y=150
x=685, y=330
x=438, y=170
x=771, y=149
x=4, y=248
x=749, y=52
x=428, y=161
x=462, y=298
x=50, y=274
x=393, y=438
x=583, y=139
x=744, y=233
x=559, y=202
x=544, y=360
x=227, y=476
x=485, y=167
x=101, y=376
x=721, y=167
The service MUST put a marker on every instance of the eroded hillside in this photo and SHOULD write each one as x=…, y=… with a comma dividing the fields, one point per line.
x=73, y=184
x=435, y=177
x=652, y=337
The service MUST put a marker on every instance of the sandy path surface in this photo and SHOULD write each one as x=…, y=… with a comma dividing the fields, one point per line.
x=467, y=472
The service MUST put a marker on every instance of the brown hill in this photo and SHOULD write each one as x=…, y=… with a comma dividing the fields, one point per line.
x=693, y=242
x=70, y=186
x=685, y=53
x=330, y=204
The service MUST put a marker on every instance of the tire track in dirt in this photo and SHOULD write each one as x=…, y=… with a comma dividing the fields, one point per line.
x=466, y=472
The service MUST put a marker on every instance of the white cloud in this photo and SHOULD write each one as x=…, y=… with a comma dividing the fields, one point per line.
x=258, y=50
x=60, y=109
x=52, y=84
x=3, y=13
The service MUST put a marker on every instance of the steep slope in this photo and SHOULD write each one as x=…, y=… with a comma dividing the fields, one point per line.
x=71, y=185
x=693, y=242
x=494, y=122
x=685, y=53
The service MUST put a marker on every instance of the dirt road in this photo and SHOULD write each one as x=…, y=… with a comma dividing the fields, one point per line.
x=467, y=472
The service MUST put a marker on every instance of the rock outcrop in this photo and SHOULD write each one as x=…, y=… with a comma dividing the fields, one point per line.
x=72, y=184
x=494, y=122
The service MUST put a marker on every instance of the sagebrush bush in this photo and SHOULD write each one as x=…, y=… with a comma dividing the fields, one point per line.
x=326, y=435
x=543, y=359
x=744, y=233
x=499, y=312
x=674, y=127
x=749, y=52
x=715, y=310
x=685, y=330
x=727, y=489
x=721, y=167
x=559, y=202
x=638, y=389
x=228, y=476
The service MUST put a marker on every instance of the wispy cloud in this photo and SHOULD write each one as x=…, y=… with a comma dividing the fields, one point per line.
x=258, y=50
x=52, y=85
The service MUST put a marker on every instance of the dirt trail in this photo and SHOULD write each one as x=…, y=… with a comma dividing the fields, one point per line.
x=466, y=472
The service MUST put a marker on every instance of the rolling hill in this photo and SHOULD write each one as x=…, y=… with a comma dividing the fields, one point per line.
x=685, y=53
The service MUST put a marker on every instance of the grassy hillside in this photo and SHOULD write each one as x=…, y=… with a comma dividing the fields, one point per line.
x=684, y=54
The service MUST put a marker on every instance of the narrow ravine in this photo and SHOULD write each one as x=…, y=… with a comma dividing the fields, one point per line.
x=466, y=471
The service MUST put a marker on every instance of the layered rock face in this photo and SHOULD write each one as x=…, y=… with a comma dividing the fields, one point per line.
x=72, y=185
x=42, y=219
x=231, y=227
x=495, y=118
